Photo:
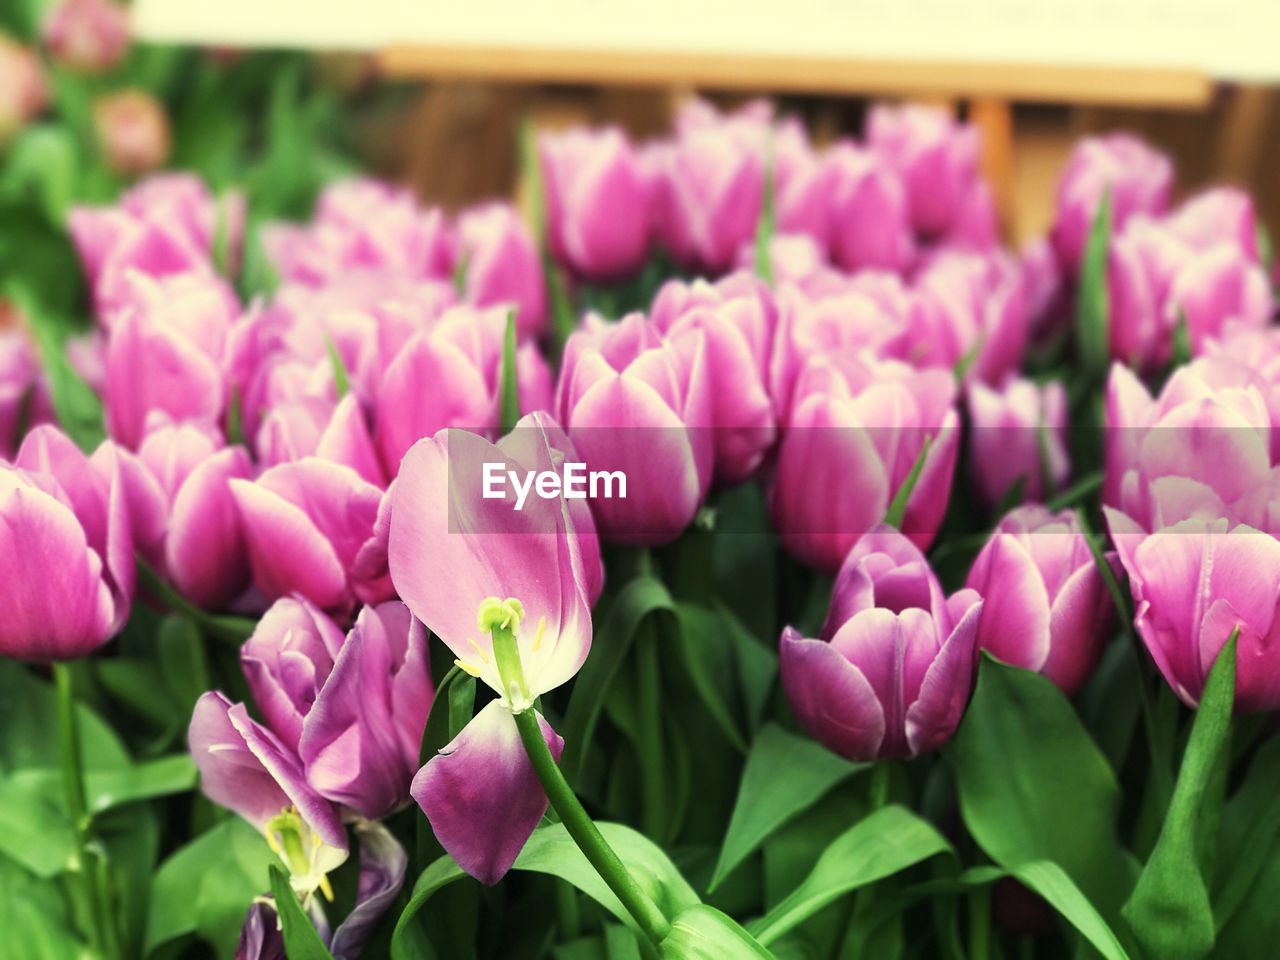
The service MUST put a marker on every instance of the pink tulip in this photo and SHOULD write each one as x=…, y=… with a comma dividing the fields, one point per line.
x=1045, y=604
x=869, y=211
x=1218, y=215
x=890, y=672
x=88, y=35
x=1018, y=433
x=1195, y=582
x=133, y=131
x=1137, y=178
x=936, y=157
x=502, y=267
x=597, y=200
x=312, y=426
x=637, y=402
x=856, y=429
x=164, y=353
x=738, y=332
x=480, y=792
x=24, y=92
x=70, y=512
x=1201, y=448
x=305, y=523
x=801, y=185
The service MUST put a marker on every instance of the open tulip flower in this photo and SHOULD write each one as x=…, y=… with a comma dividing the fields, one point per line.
x=890, y=672
x=524, y=573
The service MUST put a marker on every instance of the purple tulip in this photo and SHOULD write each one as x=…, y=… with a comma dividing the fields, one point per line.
x=1045, y=604
x=738, y=332
x=936, y=157
x=890, y=673
x=1018, y=433
x=362, y=751
x=70, y=512
x=636, y=402
x=598, y=202
x=480, y=792
x=857, y=427
x=305, y=523
x=24, y=395
x=1137, y=178
x=1195, y=582
x=500, y=259
x=869, y=211
x=164, y=355
x=1201, y=448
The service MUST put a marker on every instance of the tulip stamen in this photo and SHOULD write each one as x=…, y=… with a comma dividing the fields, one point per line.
x=484, y=657
x=537, y=636
x=470, y=668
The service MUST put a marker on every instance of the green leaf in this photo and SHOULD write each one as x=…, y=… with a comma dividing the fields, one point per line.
x=704, y=933
x=1169, y=910
x=898, y=505
x=341, y=381
x=1033, y=785
x=767, y=224
x=710, y=659
x=510, y=392
x=1051, y=882
x=29, y=727
x=785, y=775
x=162, y=777
x=1181, y=341
x=639, y=599
x=880, y=845
x=1092, y=301
x=225, y=627
x=563, y=317
x=438, y=875
x=35, y=830
x=450, y=711
x=207, y=886
x=1250, y=826
x=34, y=917
x=301, y=941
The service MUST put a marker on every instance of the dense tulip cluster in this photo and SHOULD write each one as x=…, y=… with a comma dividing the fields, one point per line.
x=315, y=462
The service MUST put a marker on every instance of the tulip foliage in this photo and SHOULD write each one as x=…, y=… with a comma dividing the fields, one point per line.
x=749, y=557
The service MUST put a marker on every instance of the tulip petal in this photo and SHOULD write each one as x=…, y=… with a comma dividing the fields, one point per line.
x=944, y=693
x=481, y=793
x=383, y=863
x=831, y=697
x=205, y=548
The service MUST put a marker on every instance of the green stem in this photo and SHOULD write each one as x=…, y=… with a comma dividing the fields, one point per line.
x=585, y=833
x=980, y=923
x=653, y=780
x=651, y=921
x=100, y=926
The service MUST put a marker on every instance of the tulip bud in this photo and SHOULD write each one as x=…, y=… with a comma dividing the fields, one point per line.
x=502, y=267
x=936, y=157
x=597, y=200
x=69, y=511
x=870, y=224
x=737, y=335
x=890, y=673
x=1018, y=434
x=23, y=90
x=1195, y=582
x=635, y=402
x=133, y=131
x=857, y=428
x=1137, y=178
x=87, y=35
x=1045, y=604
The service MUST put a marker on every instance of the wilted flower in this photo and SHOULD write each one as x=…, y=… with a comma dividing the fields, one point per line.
x=890, y=672
x=1045, y=604
x=68, y=549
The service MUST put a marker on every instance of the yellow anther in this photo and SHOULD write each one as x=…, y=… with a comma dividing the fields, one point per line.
x=468, y=667
x=537, y=637
x=493, y=613
x=326, y=888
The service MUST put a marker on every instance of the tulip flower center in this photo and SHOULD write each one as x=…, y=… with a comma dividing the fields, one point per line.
x=501, y=619
x=302, y=851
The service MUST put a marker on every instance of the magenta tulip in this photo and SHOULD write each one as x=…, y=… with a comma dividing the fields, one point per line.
x=70, y=512
x=890, y=672
x=598, y=202
x=501, y=265
x=24, y=394
x=1045, y=604
x=636, y=402
x=1018, y=434
x=857, y=428
x=870, y=225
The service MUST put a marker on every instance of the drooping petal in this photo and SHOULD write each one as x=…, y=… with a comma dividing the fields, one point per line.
x=382, y=868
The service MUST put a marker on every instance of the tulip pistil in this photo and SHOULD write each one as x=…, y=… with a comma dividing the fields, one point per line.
x=289, y=837
x=501, y=619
